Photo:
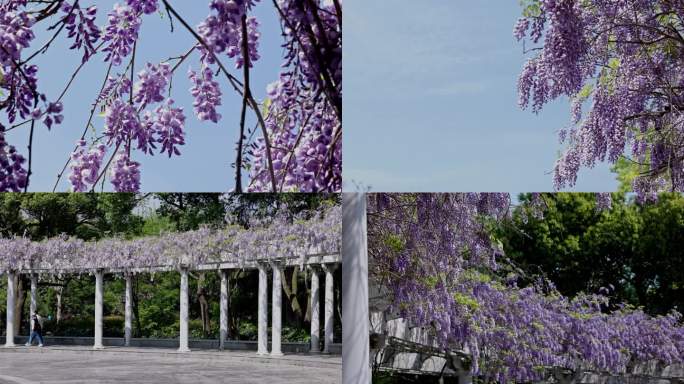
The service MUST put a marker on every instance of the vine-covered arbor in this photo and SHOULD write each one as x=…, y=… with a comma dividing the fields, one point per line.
x=268, y=246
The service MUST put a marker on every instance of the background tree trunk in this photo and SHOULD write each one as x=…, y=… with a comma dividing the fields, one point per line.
x=204, y=305
x=59, y=305
x=19, y=304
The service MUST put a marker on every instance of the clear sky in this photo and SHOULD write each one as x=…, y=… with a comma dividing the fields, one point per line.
x=430, y=101
x=210, y=148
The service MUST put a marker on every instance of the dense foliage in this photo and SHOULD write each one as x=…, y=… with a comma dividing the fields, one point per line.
x=636, y=248
x=622, y=61
x=446, y=271
x=298, y=147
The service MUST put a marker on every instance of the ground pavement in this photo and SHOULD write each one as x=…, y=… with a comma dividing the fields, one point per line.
x=66, y=365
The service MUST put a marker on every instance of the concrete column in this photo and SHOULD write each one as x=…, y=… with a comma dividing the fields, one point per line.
x=223, y=333
x=99, y=293
x=315, y=311
x=355, y=350
x=128, y=311
x=11, y=296
x=329, y=306
x=276, y=311
x=33, y=307
x=183, y=340
x=262, y=335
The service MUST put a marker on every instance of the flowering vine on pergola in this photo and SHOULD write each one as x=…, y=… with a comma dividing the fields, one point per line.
x=274, y=243
x=233, y=244
x=444, y=271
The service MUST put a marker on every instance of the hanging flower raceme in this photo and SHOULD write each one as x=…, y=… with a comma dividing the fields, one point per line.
x=207, y=94
x=153, y=82
x=81, y=26
x=121, y=33
x=621, y=60
x=125, y=174
x=85, y=166
x=169, y=128
x=222, y=31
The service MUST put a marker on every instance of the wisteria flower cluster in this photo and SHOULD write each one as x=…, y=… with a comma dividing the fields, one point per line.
x=81, y=26
x=305, y=123
x=85, y=165
x=621, y=60
x=126, y=127
x=298, y=146
x=207, y=94
x=222, y=31
x=279, y=238
x=445, y=272
x=12, y=173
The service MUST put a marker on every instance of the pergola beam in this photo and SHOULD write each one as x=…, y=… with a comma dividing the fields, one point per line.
x=314, y=259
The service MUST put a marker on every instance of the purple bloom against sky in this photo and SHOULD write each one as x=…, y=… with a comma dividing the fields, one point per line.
x=121, y=33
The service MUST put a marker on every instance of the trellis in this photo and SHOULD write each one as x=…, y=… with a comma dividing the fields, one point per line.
x=312, y=244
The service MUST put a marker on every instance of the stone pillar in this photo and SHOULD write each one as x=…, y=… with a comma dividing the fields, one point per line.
x=355, y=350
x=183, y=340
x=225, y=295
x=99, y=293
x=262, y=334
x=33, y=307
x=329, y=306
x=315, y=311
x=276, y=311
x=11, y=296
x=128, y=311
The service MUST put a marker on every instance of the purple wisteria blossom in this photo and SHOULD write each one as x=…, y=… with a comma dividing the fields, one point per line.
x=13, y=175
x=152, y=83
x=621, y=60
x=144, y=6
x=222, y=31
x=122, y=122
x=446, y=273
x=81, y=27
x=207, y=94
x=85, y=166
x=125, y=174
x=169, y=127
x=121, y=33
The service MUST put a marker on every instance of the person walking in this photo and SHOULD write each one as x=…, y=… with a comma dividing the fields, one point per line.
x=37, y=330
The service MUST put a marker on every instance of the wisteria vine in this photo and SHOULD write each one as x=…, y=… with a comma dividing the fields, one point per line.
x=296, y=145
x=276, y=238
x=622, y=61
x=446, y=272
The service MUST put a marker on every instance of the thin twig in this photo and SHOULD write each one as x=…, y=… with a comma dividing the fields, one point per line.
x=30, y=155
x=253, y=104
x=85, y=130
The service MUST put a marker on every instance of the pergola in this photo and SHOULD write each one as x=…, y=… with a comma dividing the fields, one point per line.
x=313, y=243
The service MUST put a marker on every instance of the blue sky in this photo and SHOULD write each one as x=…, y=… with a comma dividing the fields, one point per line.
x=430, y=102
x=210, y=148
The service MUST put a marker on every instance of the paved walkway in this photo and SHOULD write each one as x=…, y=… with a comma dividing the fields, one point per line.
x=66, y=365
